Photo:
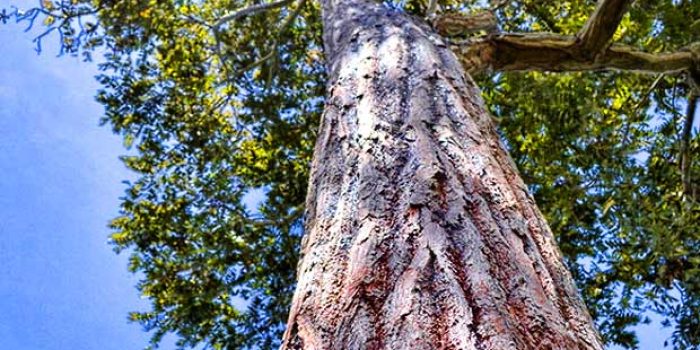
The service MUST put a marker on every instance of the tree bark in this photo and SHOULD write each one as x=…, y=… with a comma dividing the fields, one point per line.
x=420, y=233
x=558, y=53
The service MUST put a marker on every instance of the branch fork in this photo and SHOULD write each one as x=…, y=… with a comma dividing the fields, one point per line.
x=589, y=50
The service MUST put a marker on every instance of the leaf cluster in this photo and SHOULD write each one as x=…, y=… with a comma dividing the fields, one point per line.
x=220, y=122
x=601, y=153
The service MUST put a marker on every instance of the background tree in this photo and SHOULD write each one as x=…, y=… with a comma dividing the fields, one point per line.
x=214, y=104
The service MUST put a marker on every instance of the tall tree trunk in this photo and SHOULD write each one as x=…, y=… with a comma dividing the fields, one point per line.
x=420, y=233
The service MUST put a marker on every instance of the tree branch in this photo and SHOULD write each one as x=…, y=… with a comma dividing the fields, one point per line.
x=250, y=10
x=601, y=26
x=275, y=49
x=558, y=53
x=685, y=158
x=454, y=24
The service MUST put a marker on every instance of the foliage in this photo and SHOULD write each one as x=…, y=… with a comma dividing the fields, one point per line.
x=213, y=115
x=600, y=152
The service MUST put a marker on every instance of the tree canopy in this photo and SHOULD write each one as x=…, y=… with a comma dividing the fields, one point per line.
x=215, y=104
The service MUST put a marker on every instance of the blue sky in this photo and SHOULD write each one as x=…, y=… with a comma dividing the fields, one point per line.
x=61, y=285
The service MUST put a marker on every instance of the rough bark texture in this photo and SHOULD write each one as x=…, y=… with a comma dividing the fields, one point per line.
x=420, y=233
x=559, y=53
x=601, y=26
x=451, y=24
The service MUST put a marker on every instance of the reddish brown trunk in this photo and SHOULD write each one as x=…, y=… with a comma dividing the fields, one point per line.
x=420, y=232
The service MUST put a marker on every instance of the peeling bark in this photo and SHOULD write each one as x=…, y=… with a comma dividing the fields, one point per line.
x=420, y=233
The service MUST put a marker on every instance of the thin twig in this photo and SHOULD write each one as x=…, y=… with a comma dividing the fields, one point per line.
x=432, y=8
x=649, y=91
x=255, y=64
x=250, y=10
x=498, y=5
x=628, y=126
x=273, y=53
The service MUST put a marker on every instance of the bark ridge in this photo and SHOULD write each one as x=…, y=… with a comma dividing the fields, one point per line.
x=420, y=233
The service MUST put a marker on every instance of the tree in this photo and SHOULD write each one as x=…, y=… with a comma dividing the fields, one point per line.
x=409, y=174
